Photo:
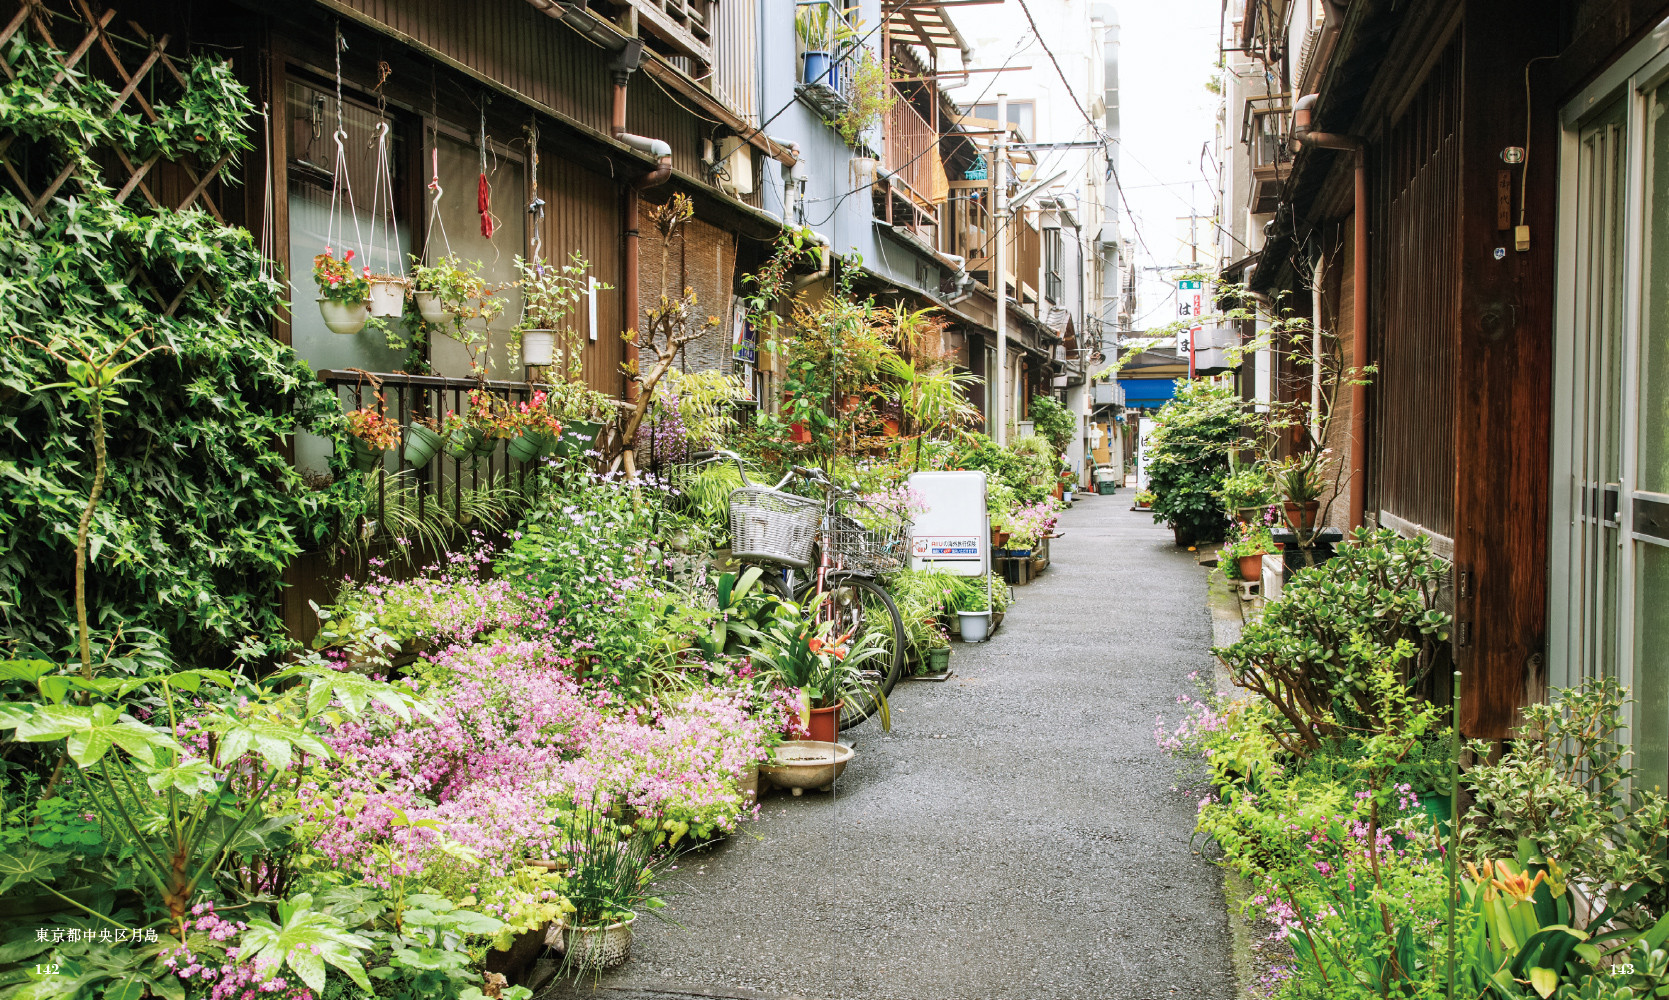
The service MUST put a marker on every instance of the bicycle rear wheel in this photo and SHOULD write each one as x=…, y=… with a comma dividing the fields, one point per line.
x=862, y=606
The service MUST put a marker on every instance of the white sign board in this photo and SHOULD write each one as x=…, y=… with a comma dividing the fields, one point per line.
x=953, y=535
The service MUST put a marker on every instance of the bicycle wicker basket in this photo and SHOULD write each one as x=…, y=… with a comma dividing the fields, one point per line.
x=773, y=526
x=868, y=539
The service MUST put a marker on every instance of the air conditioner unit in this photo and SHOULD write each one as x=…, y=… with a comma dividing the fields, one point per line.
x=737, y=159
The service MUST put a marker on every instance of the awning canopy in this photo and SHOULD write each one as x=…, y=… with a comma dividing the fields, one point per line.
x=924, y=24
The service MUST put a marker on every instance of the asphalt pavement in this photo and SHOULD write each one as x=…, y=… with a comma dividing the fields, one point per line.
x=1015, y=836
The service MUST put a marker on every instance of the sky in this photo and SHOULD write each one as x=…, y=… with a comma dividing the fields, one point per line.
x=1167, y=53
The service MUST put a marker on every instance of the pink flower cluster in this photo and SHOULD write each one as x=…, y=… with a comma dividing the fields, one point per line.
x=226, y=979
x=514, y=739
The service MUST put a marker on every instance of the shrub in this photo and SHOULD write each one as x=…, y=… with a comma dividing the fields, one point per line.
x=1311, y=652
x=1188, y=458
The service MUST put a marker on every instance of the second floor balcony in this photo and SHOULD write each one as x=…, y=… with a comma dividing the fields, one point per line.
x=1264, y=127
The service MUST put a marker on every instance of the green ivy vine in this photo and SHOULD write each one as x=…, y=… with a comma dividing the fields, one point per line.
x=202, y=510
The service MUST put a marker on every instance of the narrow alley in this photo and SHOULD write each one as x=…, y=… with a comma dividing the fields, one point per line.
x=1015, y=836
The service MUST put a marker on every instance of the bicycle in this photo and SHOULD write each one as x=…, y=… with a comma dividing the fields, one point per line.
x=850, y=544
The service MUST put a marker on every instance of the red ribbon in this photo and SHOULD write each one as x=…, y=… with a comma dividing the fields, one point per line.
x=484, y=201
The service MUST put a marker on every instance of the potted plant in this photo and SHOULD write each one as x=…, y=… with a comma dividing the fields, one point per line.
x=537, y=429
x=803, y=652
x=1301, y=480
x=1247, y=493
x=549, y=293
x=973, y=606
x=494, y=417
x=815, y=24
x=370, y=435
x=1249, y=549
x=344, y=295
x=450, y=291
x=387, y=295
x=609, y=875
x=579, y=408
x=461, y=437
x=1143, y=499
x=423, y=440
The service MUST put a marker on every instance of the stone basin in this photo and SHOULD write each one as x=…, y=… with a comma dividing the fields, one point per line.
x=801, y=764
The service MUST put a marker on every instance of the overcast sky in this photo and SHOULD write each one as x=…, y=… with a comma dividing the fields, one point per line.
x=1167, y=53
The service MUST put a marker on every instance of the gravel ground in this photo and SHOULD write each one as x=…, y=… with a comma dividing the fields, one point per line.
x=1015, y=836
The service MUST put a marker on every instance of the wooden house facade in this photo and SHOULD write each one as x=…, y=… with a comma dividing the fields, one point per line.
x=1497, y=222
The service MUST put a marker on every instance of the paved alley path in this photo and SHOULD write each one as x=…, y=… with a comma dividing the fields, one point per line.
x=1015, y=836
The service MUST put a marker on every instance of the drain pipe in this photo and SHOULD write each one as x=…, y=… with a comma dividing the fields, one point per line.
x=1302, y=113
x=623, y=66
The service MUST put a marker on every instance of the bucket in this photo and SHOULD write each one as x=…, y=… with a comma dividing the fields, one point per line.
x=388, y=298
x=976, y=625
x=538, y=346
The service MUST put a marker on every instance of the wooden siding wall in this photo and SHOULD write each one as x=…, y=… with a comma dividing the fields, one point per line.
x=1416, y=173
x=582, y=215
x=1503, y=366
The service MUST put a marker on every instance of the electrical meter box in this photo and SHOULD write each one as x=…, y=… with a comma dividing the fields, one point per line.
x=954, y=534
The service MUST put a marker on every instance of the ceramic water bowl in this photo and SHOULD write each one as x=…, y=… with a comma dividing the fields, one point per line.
x=801, y=764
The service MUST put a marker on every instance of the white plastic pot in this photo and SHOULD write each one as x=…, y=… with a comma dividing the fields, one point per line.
x=344, y=317
x=388, y=298
x=976, y=625
x=429, y=307
x=538, y=346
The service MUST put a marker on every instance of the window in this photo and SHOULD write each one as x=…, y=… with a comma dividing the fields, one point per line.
x=1021, y=113
x=1054, y=286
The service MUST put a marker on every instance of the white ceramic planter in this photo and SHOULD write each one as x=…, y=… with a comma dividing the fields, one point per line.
x=429, y=307
x=538, y=347
x=801, y=764
x=976, y=625
x=592, y=948
x=346, y=318
x=388, y=298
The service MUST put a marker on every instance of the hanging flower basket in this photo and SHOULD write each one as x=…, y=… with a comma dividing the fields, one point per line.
x=538, y=347
x=577, y=437
x=347, y=318
x=463, y=441
x=388, y=297
x=421, y=445
x=365, y=459
x=529, y=446
x=430, y=309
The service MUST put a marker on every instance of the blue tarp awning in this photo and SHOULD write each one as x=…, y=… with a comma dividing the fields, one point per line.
x=1147, y=391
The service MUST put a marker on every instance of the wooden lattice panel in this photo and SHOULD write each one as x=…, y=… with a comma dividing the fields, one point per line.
x=97, y=52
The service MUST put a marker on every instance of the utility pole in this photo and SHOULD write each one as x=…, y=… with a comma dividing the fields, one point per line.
x=999, y=201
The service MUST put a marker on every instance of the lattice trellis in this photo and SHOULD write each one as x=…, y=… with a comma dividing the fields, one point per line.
x=124, y=176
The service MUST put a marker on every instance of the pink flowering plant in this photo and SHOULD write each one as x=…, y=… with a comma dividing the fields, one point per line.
x=337, y=279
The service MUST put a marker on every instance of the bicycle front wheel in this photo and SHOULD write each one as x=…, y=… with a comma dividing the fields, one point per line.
x=863, y=607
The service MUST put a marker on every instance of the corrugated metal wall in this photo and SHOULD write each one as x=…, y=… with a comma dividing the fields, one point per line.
x=736, y=57
x=1415, y=259
x=511, y=42
x=582, y=215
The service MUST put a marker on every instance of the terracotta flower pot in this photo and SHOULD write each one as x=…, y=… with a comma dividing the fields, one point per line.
x=1251, y=567
x=798, y=434
x=825, y=723
x=998, y=538
x=889, y=427
x=1301, y=516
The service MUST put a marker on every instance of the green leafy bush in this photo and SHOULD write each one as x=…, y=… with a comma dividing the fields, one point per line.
x=1188, y=458
x=202, y=510
x=1311, y=653
x=1054, y=422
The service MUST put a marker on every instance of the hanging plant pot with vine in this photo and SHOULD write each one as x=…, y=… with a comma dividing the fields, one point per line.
x=388, y=297
x=538, y=346
x=422, y=442
x=370, y=435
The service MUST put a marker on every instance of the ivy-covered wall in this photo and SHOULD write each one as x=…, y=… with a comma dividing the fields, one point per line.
x=202, y=509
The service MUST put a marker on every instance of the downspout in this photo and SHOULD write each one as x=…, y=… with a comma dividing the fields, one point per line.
x=622, y=68
x=1301, y=135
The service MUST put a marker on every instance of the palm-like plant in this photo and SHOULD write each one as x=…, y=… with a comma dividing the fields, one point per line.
x=932, y=396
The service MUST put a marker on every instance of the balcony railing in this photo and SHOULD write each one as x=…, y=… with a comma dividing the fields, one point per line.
x=445, y=488
x=913, y=152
